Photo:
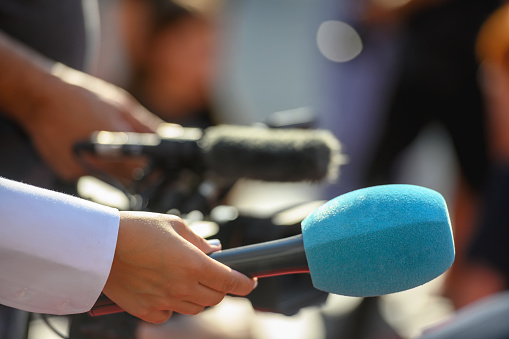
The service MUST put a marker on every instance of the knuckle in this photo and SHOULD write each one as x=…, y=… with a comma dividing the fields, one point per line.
x=152, y=315
x=159, y=317
x=175, y=221
x=194, y=310
x=142, y=313
x=230, y=284
x=195, y=267
x=182, y=292
x=197, y=310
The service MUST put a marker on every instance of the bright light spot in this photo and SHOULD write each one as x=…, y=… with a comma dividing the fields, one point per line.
x=338, y=41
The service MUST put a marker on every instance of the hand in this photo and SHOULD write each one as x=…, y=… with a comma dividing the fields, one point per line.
x=160, y=266
x=58, y=106
x=73, y=106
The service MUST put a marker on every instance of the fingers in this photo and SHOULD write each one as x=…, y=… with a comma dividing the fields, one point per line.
x=224, y=279
x=186, y=307
x=181, y=307
x=125, y=169
x=160, y=316
x=203, y=245
x=216, y=245
x=160, y=264
x=144, y=121
x=158, y=311
x=218, y=276
x=156, y=317
x=206, y=296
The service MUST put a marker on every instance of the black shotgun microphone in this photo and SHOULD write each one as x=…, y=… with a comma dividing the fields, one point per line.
x=272, y=258
x=258, y=153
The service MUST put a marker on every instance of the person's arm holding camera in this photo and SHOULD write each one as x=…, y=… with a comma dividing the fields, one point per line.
x=58, y=106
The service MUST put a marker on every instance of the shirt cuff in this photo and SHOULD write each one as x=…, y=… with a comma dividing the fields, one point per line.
x=56, y=249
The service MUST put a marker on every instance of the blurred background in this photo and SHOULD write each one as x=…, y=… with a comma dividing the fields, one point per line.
x=413, y=89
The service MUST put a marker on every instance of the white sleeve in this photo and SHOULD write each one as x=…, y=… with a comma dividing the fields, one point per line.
x=55, y=250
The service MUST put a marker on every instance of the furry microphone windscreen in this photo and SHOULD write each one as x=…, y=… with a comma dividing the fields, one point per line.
x=284, y=155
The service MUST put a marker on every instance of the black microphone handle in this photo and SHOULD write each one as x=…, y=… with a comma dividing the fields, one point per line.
x=271, y=258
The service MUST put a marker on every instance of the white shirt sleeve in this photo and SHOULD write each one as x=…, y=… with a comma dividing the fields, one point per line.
x=55, y=250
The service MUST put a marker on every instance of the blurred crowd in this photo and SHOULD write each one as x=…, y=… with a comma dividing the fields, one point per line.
x=435, y=63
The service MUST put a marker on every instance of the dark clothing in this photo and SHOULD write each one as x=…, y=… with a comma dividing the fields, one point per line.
x=437, y=82
x=56, y=29
x=491, y=238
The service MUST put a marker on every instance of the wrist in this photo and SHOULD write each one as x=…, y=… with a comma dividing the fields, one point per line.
x=40, y=90
x=24, y=79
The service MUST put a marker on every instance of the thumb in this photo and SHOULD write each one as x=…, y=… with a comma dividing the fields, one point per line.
x=215, y=244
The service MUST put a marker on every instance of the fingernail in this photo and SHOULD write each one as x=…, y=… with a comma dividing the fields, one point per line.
x=256, y=283
x=214, y=242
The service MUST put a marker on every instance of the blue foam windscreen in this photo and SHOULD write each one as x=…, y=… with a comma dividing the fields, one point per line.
x=378, y=240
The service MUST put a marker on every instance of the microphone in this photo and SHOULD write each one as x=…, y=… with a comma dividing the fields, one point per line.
x=368, y=242
x=258, y=153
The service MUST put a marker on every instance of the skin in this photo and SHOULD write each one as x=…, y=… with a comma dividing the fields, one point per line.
x=160, y=267
x=58, y=106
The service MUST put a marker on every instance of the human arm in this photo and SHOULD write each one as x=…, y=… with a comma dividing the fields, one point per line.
x=160, y=266
x=60, y=252
x=58, y=106
x=56, y=250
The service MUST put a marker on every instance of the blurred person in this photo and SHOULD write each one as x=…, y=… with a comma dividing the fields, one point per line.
x=417, y=67
x=488, y=272
x=486, y=288
x=436, y=81
x=167, y=55
x=173, y=64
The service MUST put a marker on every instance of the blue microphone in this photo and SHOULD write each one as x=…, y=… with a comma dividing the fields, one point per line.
x=369, y=242
x=378, y=240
